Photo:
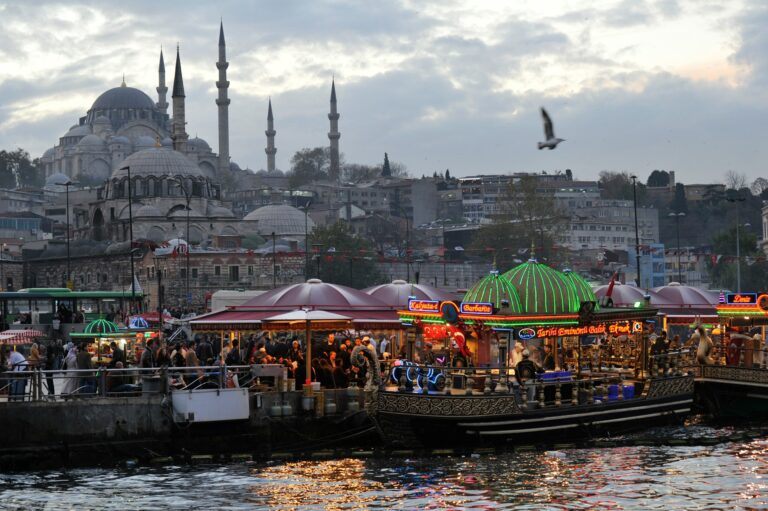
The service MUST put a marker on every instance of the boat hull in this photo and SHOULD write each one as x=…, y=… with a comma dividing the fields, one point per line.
x=733, y=392
x=432, y=420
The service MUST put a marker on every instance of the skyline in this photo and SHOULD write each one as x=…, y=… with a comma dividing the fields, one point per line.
x=632, y=86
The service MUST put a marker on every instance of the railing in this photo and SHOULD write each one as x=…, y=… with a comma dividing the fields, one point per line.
x=35, y=384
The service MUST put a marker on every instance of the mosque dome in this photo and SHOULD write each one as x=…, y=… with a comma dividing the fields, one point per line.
x=200, y=144
x=144, y=142
x=167, y=142
x=78, y=131
x=91, y=142
x=495, y=289
x=49, y=154
x=122, y=97
x=147, y=210
x=280, y=219
x=542, y=289
x=157, y=161
x=120, y=140
x=101, y=120
x=581, y=287
x=57, y=179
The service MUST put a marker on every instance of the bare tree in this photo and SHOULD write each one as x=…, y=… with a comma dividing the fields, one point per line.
x=735, y=180
x=759, y=185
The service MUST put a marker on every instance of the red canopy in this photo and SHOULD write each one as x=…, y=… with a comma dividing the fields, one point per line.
x=397, y=293
x=20, y=336
x=688, y=297
x=625, y=295
x=313, y=293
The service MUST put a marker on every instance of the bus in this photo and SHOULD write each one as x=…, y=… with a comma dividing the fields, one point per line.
x=46, y=301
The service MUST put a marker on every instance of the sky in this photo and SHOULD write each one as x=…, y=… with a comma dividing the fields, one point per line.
x=631, y=85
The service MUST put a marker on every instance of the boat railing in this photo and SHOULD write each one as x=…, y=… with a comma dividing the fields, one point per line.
x=551, y=388
x=36, y=384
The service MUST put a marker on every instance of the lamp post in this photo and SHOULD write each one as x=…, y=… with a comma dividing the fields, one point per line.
x=736, y=200
x=637, y=234
x=2, y=268
x=66, y=187
x=274, y=265
x=306, y=239
x=677, y=223
x=445, y=250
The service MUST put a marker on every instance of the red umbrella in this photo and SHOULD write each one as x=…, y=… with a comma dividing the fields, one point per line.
x=626, y=296
x=20, y=336
x=398, y=292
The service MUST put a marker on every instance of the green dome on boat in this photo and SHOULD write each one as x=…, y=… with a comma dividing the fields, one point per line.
x=493, y=288
x=584, y=292
x=101, y=326
x=543, y=290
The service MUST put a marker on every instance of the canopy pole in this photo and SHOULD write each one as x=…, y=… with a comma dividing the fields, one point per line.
x=308, y=361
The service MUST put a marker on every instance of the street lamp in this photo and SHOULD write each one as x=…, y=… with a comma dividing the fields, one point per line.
x=637, y=235
x=188, y=197
x=677, y=223
x=66, y=187
x=274, y=265
x=735, y=200
x=306, y=239
x=2, y=268
x=445, y=250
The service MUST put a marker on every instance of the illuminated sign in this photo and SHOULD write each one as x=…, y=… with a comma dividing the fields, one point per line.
x=526, y=333
x=423, y=305
x=564, y=331
x=449, y=312
x=625, y=328
x=741, y=298
x=476, y=308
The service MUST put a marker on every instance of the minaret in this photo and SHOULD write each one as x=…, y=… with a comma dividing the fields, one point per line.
x=334, y=135
x=270, y=133
x=179, y=133
x=223, y=103
x=162, y=90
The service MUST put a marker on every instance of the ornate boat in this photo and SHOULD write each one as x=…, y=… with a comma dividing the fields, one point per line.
x=604, y=380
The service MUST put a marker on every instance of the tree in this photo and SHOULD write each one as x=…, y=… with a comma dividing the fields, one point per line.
x=723, y=268
x=356, y=173
x=679, y=203
x=343, y=258
x=735, y=180
x=618, y=185
x=386, y=171
x=309, y=165
x=759, y=186
x=526, y=218
x=398, y=169
x=658, y=179
x=447, y=174
x=17, y=169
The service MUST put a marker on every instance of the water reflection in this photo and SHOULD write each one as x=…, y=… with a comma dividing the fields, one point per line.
x=728, y=476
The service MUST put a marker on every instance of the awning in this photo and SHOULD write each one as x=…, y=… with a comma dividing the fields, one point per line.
x=252, y=320
x=20, y=336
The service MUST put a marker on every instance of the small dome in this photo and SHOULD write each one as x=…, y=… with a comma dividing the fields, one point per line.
x=220, y=212
x=144, y=142
x=495, y=289
x=147, y=210
x=280, y=219
x=199, y=144
x=49, y=154
x=167, y=142
x=157, y=161
x=581, y=287
x=57, y=179
x=234, y=167
x=78, y=131
x=120, y=140
x=123, y=97
x=91, y=142
x=543, y=290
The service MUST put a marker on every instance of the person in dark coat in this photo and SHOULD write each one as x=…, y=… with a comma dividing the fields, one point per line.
x=527, y=369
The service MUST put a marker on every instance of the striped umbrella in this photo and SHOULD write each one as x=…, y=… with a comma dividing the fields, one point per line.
x=20, y=336
x=138, y=322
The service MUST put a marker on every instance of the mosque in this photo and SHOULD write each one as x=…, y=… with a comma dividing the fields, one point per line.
x=128, y=146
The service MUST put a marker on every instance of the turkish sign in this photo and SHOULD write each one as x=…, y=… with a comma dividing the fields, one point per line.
x=564, y=331
x=476, y=308
x=741, y=298
x=423, y=305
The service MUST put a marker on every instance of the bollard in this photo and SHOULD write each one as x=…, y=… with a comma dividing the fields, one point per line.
x=575, y=393
x=487, y=386
x=541, y=395
x=470, y=384
x=524, y=394
x=558, y=394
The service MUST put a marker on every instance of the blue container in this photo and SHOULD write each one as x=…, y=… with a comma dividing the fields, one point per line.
x=613, y=392
x=629, y=391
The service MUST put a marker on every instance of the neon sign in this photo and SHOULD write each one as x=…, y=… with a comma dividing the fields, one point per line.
x=423, y=305
x=526, y=333
x=565, y=331
x=741, y=298
x=485, y=309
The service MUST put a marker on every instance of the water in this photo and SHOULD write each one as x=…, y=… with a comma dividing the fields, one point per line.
x=725, y=476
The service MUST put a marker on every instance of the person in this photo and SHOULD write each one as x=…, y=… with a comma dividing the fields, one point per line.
x=148, y=356
x=659, y=346
x=517, y=354
x=50, y=366
x=548, y=362
x=704, y=350
x=428, y=357
x=674, y=344
x=87, y=381
x=328, y=347
x=343, y=358
x=759, y=356
x=367, y=343
x=527, y=369
x=233, y=357
x=117, y=355
x=71, y=382
x=383, y=345
x=193, y=364
x=16, y=364
x=34, y=359
x=118, y=380
x=162, y=358
x=36, y=316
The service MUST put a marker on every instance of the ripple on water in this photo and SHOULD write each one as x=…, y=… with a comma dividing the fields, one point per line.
x=726, y=476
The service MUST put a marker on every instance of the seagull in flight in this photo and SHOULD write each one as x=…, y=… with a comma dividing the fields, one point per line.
x=551, y=141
